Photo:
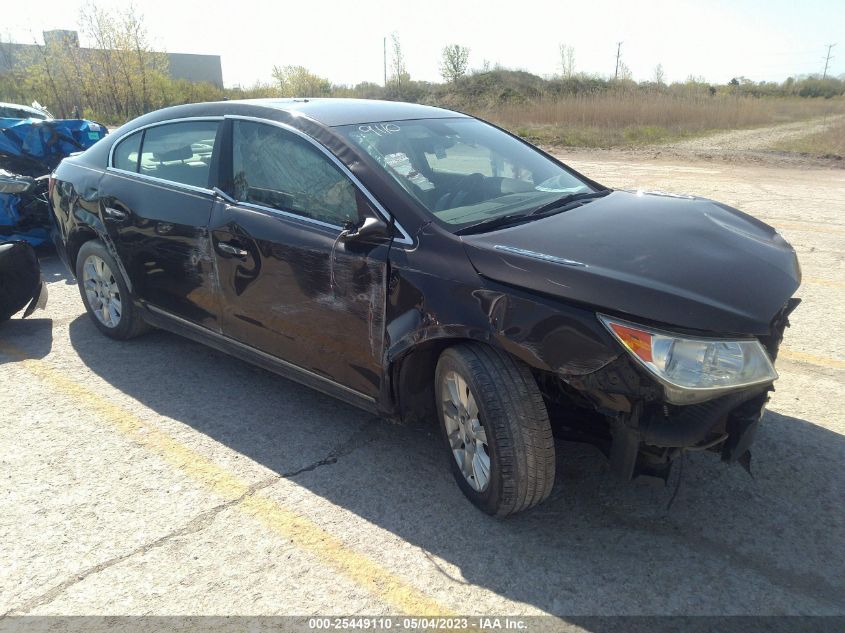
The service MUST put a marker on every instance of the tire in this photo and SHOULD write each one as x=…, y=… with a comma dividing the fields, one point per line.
x=122, y=320
x=511, y=424
x=20, y=277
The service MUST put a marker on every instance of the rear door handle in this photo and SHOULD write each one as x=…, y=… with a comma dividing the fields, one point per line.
x=231, y=249
x=117, y=214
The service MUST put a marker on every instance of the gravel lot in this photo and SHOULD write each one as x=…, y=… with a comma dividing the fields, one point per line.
x=161, y=477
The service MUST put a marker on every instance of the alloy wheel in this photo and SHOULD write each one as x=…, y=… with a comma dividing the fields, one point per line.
x=102, y=291
x=465, y=430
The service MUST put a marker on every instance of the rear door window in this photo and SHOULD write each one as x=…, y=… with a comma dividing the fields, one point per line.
x=179, y=152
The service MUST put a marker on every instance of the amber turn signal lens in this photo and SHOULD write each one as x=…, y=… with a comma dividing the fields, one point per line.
x=637, y=341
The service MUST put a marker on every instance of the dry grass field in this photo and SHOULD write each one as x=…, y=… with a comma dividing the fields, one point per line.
x=618, y=119
x=829, y=143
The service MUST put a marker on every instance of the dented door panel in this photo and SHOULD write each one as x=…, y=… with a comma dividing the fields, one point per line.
x=160, y=232
x=280, y=293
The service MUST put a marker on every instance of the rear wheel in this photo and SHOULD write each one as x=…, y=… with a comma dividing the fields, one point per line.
x=496, y=427
x=105, y=293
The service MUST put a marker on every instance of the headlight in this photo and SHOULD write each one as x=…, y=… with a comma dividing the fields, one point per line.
x=694, y=369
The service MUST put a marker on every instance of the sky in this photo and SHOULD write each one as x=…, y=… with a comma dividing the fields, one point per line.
x=342, y=40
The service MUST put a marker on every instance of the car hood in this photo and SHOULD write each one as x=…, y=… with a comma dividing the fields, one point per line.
x=688, y=262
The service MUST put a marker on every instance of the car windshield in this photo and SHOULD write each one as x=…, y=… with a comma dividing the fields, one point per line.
x=462, y=170
x=12, y=112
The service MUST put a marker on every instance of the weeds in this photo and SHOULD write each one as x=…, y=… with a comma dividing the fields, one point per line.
x=623, y=119
x=827, y=144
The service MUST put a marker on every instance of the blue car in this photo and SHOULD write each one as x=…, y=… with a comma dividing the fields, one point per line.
x=32, y=144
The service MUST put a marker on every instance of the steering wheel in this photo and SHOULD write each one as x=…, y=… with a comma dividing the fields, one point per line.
x=470, y=192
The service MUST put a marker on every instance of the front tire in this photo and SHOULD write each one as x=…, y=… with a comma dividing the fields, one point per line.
x=105, y=293
x=496, y=427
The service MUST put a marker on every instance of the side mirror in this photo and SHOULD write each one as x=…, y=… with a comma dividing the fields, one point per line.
x=369, y=227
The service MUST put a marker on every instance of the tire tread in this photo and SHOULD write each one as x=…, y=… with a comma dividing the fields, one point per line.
x=515, y=409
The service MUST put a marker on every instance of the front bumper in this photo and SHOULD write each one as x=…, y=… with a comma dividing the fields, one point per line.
x=648, y=444
x=647, y=432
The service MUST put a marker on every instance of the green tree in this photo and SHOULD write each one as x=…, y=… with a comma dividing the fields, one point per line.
x=298, y=81
x=399, y=72
x=454, y=62
x=111, y=81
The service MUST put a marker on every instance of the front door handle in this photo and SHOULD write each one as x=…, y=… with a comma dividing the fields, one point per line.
x=231, y=249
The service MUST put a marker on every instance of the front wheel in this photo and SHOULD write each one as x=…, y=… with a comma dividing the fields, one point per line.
x=496, y=427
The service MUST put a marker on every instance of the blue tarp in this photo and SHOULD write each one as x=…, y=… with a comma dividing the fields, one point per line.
x=9, y=215
x=34, y=148
x=47, y=142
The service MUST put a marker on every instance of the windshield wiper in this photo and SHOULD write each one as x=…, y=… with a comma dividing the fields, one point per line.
x=494, y=223
x=557, y=205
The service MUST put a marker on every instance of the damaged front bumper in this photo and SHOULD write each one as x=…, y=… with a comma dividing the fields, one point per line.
x=646, y=432
x=647, y=442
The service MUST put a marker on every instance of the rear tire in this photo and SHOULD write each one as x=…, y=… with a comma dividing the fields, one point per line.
x=489, y=399
x=20, y=277
x=105, y=294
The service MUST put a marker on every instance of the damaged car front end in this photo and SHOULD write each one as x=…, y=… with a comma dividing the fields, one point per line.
x=30, y=149
x=693, y=298
x=671, y=394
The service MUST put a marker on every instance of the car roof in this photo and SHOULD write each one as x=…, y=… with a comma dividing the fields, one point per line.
x=332, y=112
x=315, y=117
x=20, y=106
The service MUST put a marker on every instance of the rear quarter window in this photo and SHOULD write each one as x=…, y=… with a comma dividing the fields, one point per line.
x=126, y=153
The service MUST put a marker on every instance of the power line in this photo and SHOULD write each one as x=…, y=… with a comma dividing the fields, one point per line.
x=827, y=60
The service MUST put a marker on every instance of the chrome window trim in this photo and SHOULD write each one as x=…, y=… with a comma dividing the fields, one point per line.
x=136, y=174
x=132, y=175
x=120, y=138
x=287, y=214
x=405, y=239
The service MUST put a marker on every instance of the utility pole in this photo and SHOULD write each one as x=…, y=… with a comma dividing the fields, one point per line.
x=618, y=51
x=384, y=44
x=827, y=60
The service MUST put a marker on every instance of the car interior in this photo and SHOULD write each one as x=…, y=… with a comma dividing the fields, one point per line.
x=446, y=173
x=187, y=164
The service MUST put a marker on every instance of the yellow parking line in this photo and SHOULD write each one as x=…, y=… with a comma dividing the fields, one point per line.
x=299, y=530
x=803, y=357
